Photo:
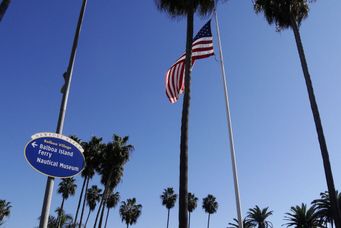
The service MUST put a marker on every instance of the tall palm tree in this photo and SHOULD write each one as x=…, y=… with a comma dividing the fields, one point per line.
x=324, y=209
x=235, y=224
x=115, y=156
x=180, y=9
x=303, y=217
x=112, y=201
x=3, y=7
x=290, y=14
x=168, y=199
x=93, y=196
x=67, y=187
x=210, y=205
x=92, y=153
x=258, y=217
x=130, y=211
x=5, y=210
x=192, y=204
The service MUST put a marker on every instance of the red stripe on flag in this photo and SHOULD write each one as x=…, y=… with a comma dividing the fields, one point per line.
x=202, y=47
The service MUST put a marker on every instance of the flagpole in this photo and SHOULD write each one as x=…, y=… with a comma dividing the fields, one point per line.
x=229, y=125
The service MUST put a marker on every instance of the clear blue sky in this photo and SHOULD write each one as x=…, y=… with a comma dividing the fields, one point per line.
x=118, y=87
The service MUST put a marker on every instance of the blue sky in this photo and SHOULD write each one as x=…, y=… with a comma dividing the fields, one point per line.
x=118, y=87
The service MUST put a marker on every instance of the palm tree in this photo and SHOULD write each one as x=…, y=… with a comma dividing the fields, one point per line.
x=67, y=187
x=192, y=204
x=168, y=199
x=300, y=216
x=290, y=14
x=130, y=211
x=324, y=209
x=92, y=153
x=3, y=7
x=112, y=201
x=66, y=220
x=93, y=196
x=210, y=205
x=52, y=222
x=180, y=9
x=235, y=224
x=5, y=210
x=63, y=221
x=115, y=156
x=258, y=217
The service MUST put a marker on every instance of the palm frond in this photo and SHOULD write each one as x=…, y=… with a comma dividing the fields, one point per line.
x=281, y=13
x=180, y=8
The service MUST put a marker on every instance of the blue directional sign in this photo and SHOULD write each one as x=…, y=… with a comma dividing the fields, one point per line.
x=54, y=155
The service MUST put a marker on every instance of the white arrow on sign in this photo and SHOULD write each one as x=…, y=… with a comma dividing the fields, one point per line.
x=34, y=144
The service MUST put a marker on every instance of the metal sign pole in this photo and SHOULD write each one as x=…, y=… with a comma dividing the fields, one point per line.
x=66, y=89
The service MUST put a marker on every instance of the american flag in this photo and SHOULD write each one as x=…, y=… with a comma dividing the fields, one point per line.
x=202, y=47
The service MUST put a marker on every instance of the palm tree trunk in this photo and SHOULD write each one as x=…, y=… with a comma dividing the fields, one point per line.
x=168, y=217
x=106, y=219
x=61, y=206
x=102, y=214
x=102, y=206
x=83, y=207
x=318, y=125
x=208, y=221
x=87, y=218
x=60, y=212
x=104, y=198
x=3, y=7
x=99, y=210
x=183, y=188
x=79, y=202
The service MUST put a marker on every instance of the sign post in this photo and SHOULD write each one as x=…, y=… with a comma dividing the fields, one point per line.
x=65, y=90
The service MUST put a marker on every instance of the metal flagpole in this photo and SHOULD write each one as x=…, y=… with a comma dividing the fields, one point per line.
x=229, y=125
x=65, y=90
